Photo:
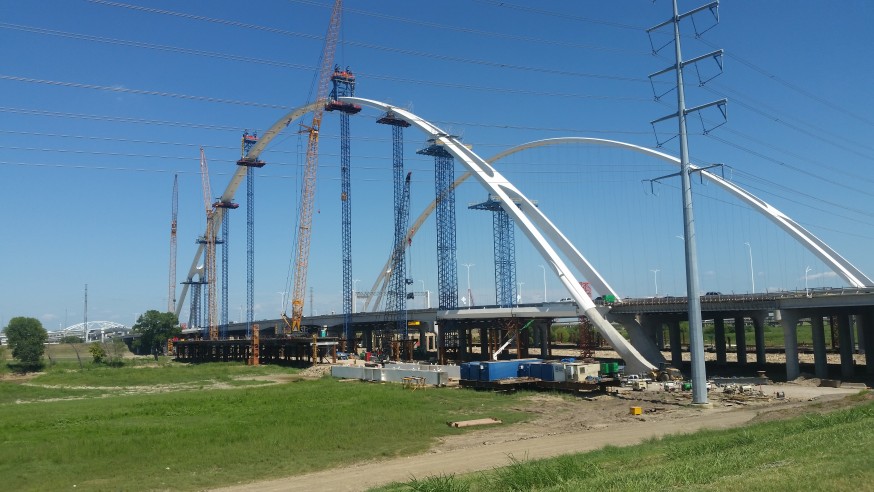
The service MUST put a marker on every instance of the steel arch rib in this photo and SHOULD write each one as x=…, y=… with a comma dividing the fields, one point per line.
x=237, y=179
x=839, y=264
x=496, y=183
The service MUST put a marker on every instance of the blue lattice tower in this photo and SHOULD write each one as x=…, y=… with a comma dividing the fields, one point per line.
x=343, y=82
x=249, y=141
x=447, y=268
x=505, y=251
x=225, y=207
x=398, y=280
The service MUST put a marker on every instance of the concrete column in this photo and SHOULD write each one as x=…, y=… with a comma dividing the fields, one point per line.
x=462, y=342
x=820, y=361
x=865, y=321
x=860, y=335
x=641, y=336
x=740, y=340
x=484, y=343
x=846, y=341
x=653, y=326
x=789, y=321
x=759, y=325
x=719, y=340
x=676, y=348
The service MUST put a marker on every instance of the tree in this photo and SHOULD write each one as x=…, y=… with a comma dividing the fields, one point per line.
x=155, y=328
x=26, y=338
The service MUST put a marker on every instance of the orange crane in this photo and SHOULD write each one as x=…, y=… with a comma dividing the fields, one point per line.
x=209, y=246
x=309, y=177
x=171, y=291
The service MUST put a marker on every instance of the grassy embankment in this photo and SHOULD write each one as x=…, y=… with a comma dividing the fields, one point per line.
x=168, y=427
x=813, y=452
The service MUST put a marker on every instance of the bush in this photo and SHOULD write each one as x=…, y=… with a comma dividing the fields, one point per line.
x=98, y=353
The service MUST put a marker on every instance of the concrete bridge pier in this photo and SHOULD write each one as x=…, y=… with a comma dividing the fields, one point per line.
x=860, y=336
x=740, y=340
x=820, y=360
x=676, y=344
x=719, y=340
x=845, y=334
x=865, y=321
x=544, y=339
x=758, y=319
x=642, y=335
x=789, y=321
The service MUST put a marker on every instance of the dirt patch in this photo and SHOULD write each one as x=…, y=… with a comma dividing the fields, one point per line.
x=562, y=424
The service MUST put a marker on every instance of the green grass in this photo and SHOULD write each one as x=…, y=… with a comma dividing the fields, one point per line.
x=815, y=452
x=143, y=374
x=188, y=440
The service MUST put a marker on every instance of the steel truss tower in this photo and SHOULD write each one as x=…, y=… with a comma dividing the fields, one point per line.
x=343, y=82
x=225, y=207
x=505, y=251
x=398, y=282
x=249, y=141
x=447, y=267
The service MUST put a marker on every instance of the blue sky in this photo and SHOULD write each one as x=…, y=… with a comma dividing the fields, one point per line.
x=101, y=103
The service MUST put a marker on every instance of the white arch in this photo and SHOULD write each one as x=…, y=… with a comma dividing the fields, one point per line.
x=823, y=251
x=839, y=264
x=497, y=184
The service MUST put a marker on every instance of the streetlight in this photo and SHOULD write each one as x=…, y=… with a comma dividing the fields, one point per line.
x=752, y=272
x=519, y=293
x=282, y=301
x=427, y=294
x=544, y=281
x=354, y=295
x=469, y=294
x=655, y=278
x=806, y=291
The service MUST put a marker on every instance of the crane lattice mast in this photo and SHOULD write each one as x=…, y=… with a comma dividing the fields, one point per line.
x=171, y=289
x=309, y=178
x=209, y=245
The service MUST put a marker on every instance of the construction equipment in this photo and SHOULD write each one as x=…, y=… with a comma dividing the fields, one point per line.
x=309, y=177
x=209, y=247
x=171, y=290
x=665, y=373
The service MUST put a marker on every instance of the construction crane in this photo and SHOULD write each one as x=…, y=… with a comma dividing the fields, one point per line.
x=171, y=290
x=309, y=177
x=209, y=246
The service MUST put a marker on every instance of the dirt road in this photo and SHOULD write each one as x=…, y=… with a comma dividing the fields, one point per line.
x=564, y=425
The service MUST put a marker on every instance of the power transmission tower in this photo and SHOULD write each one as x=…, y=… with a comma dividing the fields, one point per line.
x=696, y=334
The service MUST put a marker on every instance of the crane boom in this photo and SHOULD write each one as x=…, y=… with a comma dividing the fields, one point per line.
x=309, y=178
x=209, y=243
x=171, y=291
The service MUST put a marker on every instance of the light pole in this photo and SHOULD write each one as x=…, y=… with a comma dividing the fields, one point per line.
x=752, y=272
x=427, y=294
x=655, y=278
x=519, y=293
x=469, y=294
x=282, y=301
x=806, y=291
x=354, y=296
x=544, y=281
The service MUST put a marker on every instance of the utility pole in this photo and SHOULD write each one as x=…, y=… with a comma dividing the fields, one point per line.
x=696, y=332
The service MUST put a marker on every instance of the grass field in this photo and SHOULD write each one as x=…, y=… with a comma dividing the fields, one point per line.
x=104, y=428
x=814, y=452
